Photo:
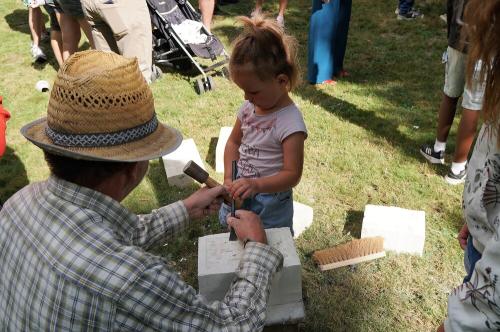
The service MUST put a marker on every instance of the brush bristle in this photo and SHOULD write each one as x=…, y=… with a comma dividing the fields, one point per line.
x=349, y=250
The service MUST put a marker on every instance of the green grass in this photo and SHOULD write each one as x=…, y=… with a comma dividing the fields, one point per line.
x=364, y=136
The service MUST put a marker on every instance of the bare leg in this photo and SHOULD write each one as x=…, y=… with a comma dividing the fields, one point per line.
x=87, y=29
x=445, y=118
x=207, y=12
x=34, y=21
x=283, y=4
x=258, y=6
x=466, y=133
x=56, y=43
x=71, y=34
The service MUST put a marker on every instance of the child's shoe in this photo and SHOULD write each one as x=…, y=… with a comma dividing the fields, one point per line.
x=432, y=156
x=455, y=179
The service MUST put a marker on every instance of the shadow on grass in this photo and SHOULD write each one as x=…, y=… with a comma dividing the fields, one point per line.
x=12, y=174
x=210, y=157
x=353, y=223
x=18, y=20
x=369, y=120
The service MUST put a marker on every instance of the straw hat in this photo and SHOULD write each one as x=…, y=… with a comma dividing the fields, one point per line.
x=101, y=108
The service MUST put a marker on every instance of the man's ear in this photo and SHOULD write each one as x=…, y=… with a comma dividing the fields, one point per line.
x=283, y=79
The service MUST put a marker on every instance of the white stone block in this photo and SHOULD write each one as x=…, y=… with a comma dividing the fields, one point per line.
x=302, y=218
x=403, y=230
x=219, y=149
x=175, y=161
x=218, y=259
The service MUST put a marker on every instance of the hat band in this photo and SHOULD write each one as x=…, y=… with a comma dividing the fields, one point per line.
x=103, y=139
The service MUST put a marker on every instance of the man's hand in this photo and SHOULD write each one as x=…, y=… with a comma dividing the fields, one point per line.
x=204, y=202
x=247, y=226
x=462, y=236
x=441, y=328
x=243, y=188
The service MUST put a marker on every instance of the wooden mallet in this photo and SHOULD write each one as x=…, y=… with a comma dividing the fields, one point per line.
x=199, y=174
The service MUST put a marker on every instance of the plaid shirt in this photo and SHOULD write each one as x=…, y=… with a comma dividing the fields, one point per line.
x=73, y=259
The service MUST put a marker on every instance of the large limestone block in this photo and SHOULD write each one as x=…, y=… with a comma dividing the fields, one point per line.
x=302, y=218
x=218, y=259
x=403, y=230
x=219, y=149
x=175, y=161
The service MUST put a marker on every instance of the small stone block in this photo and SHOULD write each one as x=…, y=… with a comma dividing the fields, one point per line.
x=218, y=259
x=302, y=218
x=175, y=161
x=403, y=230
x=219, y=149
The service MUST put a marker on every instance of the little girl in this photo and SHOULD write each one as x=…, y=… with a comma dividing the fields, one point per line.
x=268, y=136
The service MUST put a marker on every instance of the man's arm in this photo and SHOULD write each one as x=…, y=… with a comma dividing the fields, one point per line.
x=159, y=299
x=166, y=222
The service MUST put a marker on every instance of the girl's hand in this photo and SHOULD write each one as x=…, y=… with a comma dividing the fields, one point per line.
x=243, y=188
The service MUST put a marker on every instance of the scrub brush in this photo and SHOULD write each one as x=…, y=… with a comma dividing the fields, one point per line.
x=350, y=253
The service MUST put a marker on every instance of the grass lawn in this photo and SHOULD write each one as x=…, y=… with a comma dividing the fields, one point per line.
x=364, y=135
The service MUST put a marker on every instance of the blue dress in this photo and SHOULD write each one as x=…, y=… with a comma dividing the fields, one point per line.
x=328, y=29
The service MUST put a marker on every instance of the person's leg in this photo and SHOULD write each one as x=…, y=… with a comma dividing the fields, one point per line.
x=258, y=7
x=55, y=35
x=56, y=44
x=87, y=29
x=34, y=21
x=281, y=13
x=321, y=36
x=465, y=135
x=70, y=30
x=207, y=12
x=446, y=115
x=342, y=32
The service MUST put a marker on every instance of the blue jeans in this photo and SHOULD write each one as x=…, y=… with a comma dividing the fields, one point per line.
x=471, y=256
x=405, y=6
x=275, y=210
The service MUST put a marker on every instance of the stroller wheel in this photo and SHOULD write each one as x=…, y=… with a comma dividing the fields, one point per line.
x=199, y=87
x=210, y=83
x=225, y=73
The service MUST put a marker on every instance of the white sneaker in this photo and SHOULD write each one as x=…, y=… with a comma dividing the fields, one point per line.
x=38, y=54
x=281, y=21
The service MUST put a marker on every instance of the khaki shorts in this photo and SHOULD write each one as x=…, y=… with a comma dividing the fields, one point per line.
x=454, y=80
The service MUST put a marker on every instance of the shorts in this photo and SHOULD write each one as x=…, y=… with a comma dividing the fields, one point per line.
x=54, y=25
x=275, y=210
x=454, y=80
x=70, y=7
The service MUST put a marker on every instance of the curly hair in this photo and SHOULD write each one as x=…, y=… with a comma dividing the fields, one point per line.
x=482, y=18
x=265, y=45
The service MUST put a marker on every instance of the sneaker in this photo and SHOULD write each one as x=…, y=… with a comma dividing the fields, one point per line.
x=455, y=179
x=281, y=21
x=38, y=54
x=410, y=15
x=434, y=157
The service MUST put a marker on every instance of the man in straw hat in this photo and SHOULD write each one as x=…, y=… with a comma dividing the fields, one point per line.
x=73, y=258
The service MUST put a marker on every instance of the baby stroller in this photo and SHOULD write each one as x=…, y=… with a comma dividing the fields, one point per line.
x=179, y=37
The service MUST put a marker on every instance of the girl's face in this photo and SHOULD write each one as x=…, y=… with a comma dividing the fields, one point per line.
x=268, y=95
